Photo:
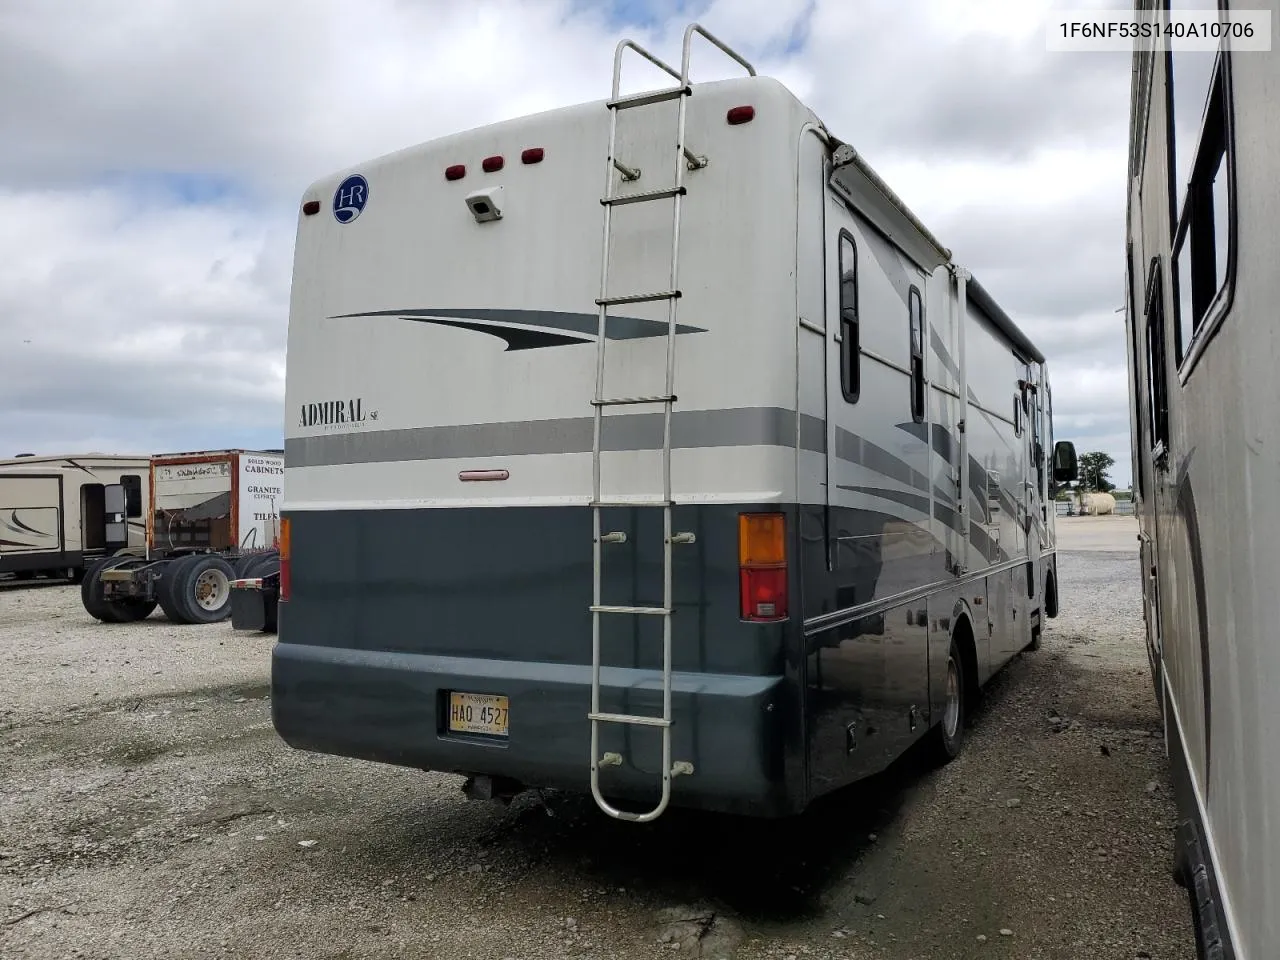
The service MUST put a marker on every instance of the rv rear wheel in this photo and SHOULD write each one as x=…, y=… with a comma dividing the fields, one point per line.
x=947, y=736
x=204, y=589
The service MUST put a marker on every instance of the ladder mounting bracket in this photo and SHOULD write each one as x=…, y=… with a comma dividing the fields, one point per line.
x=628, y=173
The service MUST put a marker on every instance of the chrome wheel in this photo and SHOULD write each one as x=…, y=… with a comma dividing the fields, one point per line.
x=951, y=713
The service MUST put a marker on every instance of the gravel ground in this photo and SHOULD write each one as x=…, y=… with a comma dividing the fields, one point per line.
x=147, y=809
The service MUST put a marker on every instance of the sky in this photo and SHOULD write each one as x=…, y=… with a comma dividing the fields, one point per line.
x=152, y=154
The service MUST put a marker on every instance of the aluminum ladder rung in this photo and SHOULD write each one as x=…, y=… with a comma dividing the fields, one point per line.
x=648, y=611
x=644, y=196
x=629, y=718
x=631, y=503
x=638, y=298
x=652, y=96
x=626, y=401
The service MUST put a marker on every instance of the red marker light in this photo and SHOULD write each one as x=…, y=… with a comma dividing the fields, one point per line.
x=491, y=164
x=456, y=172
x=311, y=207
x=738, y=115
x=532, y=155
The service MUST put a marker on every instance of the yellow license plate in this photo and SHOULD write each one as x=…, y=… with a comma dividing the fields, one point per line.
x=477, y=713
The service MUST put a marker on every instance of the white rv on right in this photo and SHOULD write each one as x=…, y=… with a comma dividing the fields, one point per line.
x=1203, y=344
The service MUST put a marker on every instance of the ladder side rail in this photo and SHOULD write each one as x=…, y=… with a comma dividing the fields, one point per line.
x=697, y=28
x=624, y=45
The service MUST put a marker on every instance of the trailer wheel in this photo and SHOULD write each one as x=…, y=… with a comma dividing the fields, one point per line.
x=168, y=588
x=947, y=737
x=203, y=589
x=111, y=611
x=263, y=566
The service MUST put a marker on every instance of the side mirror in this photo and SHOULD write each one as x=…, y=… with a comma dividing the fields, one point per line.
x=1065, y=469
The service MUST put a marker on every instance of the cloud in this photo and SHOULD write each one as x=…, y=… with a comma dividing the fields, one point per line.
x=155, y=151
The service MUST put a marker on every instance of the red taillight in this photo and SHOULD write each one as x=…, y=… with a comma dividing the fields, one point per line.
x=456, y=172
x=762, y=566
x=491, y=164
x=738, y=115
x=311, y=207
x=532, y=155
x=286, y=580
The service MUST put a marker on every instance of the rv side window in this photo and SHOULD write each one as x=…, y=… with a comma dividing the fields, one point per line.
x=850, y=354
x=132, y=485
x=1202, y=231
x=1157, y=384
x=916, y=314
x=1135, y=355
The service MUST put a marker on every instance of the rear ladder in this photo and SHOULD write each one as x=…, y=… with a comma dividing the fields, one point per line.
x=671, y=295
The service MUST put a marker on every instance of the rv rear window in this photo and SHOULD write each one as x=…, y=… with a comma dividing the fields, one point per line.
x=850, y=350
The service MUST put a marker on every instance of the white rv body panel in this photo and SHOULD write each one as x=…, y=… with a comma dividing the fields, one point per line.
x=1202, y=348
x=549, y=246
x=30, y=515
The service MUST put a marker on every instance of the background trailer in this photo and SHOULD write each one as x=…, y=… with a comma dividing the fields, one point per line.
x=214, y=516
x=58, y=514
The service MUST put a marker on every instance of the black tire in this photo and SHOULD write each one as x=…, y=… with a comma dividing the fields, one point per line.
x=263, y=566
x=167, y=589
x=946, y=739
x=243, y=563
x=110, y=611
x=203, y=588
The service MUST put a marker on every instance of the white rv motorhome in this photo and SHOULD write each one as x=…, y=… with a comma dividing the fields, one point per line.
x=1203, y=342
x=652, y=447
x=60, y=513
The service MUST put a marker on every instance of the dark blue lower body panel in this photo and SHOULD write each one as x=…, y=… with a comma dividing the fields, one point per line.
x=392, y=707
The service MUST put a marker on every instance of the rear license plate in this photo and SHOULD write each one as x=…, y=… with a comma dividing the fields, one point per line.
x=477, y=713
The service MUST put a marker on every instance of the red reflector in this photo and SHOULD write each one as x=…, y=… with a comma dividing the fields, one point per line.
x=764, y=593
x=311, y=207
x=491, y=164
x=483, y=475
x=456, y=172
x=740, y=115
x=532, y=155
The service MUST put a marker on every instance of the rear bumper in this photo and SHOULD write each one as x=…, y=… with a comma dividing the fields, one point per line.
x=391, y=707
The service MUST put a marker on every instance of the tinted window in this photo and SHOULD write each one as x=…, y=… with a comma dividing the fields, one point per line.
x=915, y=313
x=132, y=485
x=850, y=355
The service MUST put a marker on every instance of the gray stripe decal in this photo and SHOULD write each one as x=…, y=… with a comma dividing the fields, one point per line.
x=911, y=500
x=890, y=261
x=855, y=449
x=585, y=324
x=744, y=426
x=944, y=355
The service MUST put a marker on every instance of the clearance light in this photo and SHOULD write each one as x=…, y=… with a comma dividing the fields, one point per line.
x=740, y=115
x=491, y=164
x=532, y=155
x=286, y=567
x=456, y=172
x=762, y=566
x=311, y=207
